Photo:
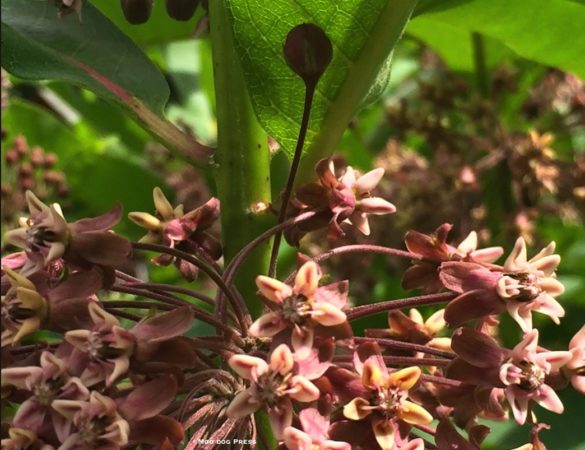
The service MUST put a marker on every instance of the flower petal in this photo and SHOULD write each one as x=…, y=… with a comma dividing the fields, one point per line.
x=248, y=367
x=242, y=405
x=404, y=379
x=267, y=325
x=281, y=360
x=274, y=290
x=384, y=432
x=548, y=399
x=307, y=279
x=368, y=181
x=327, y=315
x=280, y=418
x=303, y=390
x=296, y=439
x=357, y=409
x=414, y=414
x=376, y=206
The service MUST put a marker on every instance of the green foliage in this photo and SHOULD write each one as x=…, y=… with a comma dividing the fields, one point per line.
x=362, y=33
x=547, y=31
x=37, y=45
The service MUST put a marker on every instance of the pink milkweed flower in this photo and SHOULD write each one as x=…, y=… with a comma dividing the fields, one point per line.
x=23, y=438
x=315, y=434
x=301, y=307
x=530, y=284
x=434, y=250
x=96, y=423
x=522, y=372
x=525, y=377
x=385, y=403
x=347, y=199
x=521, y=286
x=47, y=236
x=47, y=384
x=177, y=229
x=575, y=368
x=273, y=386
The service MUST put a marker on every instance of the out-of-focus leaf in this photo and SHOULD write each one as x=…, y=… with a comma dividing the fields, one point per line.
x=547, y=31
x=454, y=45
x=363, y=33
x=192, y=109
x=99, y=170
x=37, y=45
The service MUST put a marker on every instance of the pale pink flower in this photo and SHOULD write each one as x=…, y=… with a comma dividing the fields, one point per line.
x=315, y=434
x=273, y=386
x=524, y=375
x=575, y=368
x=301, y=307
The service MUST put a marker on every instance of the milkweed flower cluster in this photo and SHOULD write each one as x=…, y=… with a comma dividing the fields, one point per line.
x=95, y=358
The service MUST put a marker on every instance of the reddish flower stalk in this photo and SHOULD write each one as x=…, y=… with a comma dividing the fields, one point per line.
x=357, y=312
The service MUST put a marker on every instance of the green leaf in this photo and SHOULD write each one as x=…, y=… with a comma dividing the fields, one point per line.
x=363, y=34
x=37, y=45
x=546, y=31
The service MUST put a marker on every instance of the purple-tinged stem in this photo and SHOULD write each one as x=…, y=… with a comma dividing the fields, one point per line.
x=235, y=300
x=427, y=429
x=358, y=312
x=197, y=313
x=136, y=305
x=365, y=248
x=402, y=360
x=441, y=380
x=400, y=345
x=232, y=268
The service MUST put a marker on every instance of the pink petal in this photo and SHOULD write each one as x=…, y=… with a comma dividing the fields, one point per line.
x=314, y=423
x=164, y=326
x=552, y=286
x=100, y=223
x=486, y=255
x=280, y=418
x=302, y=341
x=268, y=325
x=248, y=367
x=521, y=314
x=334, y=294
x=368, y=181
x=375, y=205
x=555, y=360
x=519, y=405
x=274, y=290
x=526, y=347
x=297, y=440
x=327, y=315
x=469, y=244
x=307, y=279
x=348, y=177
x=472, y=305
x=548, y=264
x=517, y=258
x=281, y=360
x=477, y=348
x=302, y=390
x=359, y=220
x=578, y=382
x=548, y=399
x=546, y=304
x=242, y=405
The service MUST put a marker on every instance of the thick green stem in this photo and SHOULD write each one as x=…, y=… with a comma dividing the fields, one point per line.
x=481, y=73
x=242, y=159
x=380, y=44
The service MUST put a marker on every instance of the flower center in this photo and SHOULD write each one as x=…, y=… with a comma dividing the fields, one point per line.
x=295, y=309
x=532, y=376
x=91, y=430
x=521, y=286
x=387, y=401
x=271, y=387
x=46, y=392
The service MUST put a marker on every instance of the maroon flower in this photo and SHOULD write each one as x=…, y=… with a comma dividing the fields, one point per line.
x=434, y=250
x=46, y=236
x=175, y=229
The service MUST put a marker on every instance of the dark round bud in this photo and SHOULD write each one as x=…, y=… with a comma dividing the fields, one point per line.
x=11, y=157
x=181, y=9
x=20, y=145
x=136, y=11
x=63, y=191
x=27, y=184
x=37, y=156
x=25, y=170
x=50, y=160
x=308, y=52
x=54, y=177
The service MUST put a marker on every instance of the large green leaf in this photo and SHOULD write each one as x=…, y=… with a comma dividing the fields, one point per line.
x=94, y=53
x=546, y=31
x=363, y=33
x=37, y=45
